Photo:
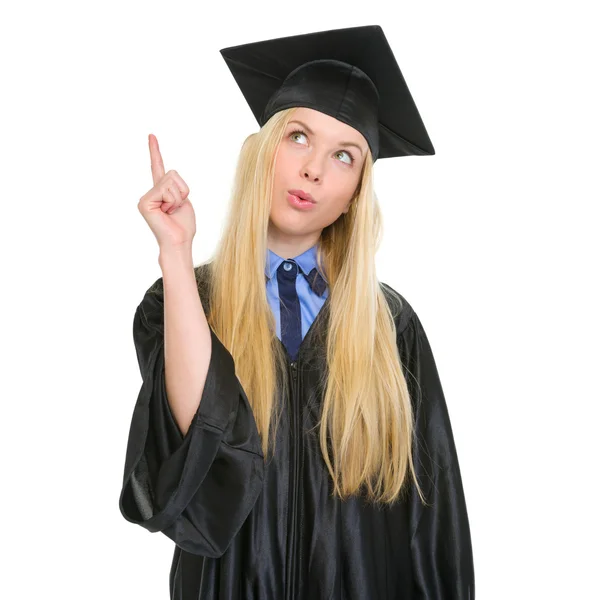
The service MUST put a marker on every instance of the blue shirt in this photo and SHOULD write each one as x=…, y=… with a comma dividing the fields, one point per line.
x=309, y=301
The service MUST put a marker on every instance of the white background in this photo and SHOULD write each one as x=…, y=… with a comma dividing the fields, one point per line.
x=489, y=240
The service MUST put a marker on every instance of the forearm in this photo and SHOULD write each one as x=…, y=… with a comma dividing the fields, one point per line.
x=187, y=337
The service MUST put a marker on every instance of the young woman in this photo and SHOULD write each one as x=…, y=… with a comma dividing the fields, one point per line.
x=291, y=435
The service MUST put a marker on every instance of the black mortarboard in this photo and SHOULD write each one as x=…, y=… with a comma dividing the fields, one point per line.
x=350, y=74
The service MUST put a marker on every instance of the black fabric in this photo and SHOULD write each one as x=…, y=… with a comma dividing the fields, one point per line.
x=350, y=74
x=333, y=87
x=200, y=504
x=249, y=530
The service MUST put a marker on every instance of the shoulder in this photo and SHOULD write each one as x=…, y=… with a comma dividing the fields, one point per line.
x=400, y=308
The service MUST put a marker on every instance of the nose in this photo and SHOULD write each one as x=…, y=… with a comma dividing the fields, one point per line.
x=312, y=170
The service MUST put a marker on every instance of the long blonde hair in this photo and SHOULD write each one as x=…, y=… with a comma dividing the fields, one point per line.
x=366, y=411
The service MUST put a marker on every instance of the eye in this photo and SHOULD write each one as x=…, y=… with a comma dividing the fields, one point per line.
x=345, y=153
x=297, y=132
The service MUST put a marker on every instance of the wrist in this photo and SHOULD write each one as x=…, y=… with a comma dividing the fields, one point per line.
x=176, y=255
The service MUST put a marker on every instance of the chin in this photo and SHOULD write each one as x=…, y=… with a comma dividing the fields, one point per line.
x=291, y=222
x=289, y=228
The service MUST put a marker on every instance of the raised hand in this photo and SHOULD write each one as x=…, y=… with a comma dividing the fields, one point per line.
x=166, y=206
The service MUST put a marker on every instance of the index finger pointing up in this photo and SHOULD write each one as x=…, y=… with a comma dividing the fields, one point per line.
x=157, y=167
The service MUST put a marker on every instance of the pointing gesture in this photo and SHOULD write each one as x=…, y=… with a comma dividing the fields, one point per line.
x=166, y=207
x=157, y=167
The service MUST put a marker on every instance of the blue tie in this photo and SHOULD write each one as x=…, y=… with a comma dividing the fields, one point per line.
x=290, y=309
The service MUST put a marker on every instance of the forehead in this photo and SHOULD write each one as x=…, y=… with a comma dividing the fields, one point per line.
x=322, y=123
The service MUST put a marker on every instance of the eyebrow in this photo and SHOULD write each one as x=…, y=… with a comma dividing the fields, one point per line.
x=308, y=130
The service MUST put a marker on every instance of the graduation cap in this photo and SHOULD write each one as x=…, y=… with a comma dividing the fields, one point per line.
x=350, y=74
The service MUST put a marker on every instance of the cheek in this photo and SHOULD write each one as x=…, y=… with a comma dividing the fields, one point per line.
x=282, y=164
x=344, y=187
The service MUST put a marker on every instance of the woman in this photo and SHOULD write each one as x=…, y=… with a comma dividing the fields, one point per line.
x=291, y=435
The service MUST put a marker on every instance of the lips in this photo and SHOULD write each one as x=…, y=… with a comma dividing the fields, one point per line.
x=298, y=203
x=303, y=195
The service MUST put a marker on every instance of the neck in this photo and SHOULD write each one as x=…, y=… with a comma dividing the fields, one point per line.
x=290, y=246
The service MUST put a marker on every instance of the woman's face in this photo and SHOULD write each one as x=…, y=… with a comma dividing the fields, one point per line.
x=323, y=157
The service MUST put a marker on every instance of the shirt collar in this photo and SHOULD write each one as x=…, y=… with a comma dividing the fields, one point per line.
x=306, y=261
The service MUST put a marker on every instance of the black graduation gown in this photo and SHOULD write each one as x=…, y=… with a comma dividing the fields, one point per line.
x=249, y=530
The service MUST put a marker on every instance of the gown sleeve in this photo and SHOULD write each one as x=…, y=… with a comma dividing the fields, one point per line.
x=440, y=541
x=197, y=489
